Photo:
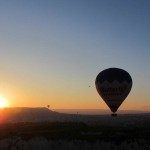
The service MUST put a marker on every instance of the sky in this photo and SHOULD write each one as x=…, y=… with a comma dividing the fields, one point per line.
x=52, y=50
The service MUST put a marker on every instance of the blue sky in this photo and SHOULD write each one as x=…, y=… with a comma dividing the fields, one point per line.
x=61, y=45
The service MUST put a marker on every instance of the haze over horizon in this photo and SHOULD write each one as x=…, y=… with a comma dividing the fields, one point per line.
x=52, y=51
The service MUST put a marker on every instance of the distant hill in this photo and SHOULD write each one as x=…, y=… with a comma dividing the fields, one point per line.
x=25, y=114
x=43, y=114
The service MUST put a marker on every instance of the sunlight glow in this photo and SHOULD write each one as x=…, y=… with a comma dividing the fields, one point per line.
x=3, y=102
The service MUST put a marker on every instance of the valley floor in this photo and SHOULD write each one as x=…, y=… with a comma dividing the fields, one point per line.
x=75, y=135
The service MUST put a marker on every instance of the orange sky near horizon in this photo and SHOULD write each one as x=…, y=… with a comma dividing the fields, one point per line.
x=62, y=97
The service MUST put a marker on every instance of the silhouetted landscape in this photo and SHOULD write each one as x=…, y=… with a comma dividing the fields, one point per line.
x=41, y=128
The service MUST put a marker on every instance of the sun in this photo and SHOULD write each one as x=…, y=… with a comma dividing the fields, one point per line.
x=3, y=102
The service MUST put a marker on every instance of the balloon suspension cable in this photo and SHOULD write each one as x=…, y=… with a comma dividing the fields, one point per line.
x=114, y=115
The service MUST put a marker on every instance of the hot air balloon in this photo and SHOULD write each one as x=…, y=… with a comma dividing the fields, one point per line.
x=113, y=85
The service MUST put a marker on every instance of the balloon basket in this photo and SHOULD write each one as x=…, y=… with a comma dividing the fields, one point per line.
x=114, y=115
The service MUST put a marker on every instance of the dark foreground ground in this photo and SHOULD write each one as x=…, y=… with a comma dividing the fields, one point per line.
x=124, y=132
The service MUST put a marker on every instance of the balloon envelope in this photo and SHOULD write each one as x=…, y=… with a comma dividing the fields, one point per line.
x=113, y=85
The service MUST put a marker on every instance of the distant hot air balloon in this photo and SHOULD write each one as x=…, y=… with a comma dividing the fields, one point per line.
x=113, y=85
x=48, y=106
